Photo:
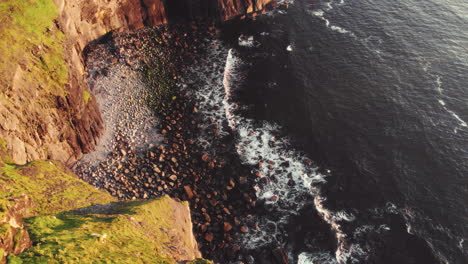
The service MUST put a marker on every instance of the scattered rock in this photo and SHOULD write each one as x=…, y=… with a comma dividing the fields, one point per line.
x=209, y=237
x=227, y=227
x=188, y=191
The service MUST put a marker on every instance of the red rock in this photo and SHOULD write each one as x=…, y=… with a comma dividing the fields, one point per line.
x=227, y=227
x=244, y=229
x=226, y=211
x=188, y=191
x=205, y=157
x=209, y=237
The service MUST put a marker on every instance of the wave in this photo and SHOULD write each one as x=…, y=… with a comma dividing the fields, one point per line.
x=288, y=174
x=315, y=258
x=320, y=13
x=287, y=178
x=248, y=41
x=439, y=88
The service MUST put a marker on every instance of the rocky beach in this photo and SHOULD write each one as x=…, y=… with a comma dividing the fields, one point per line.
x=159, y=141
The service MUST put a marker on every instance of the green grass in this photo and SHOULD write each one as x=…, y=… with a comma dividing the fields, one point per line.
x=125, y=232
x=31, y=40
x=52, y=187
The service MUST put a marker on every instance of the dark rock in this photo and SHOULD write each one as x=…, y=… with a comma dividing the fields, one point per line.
x=280, y=256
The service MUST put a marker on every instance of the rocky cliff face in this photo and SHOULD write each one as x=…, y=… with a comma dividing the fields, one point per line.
x=46, y=108
x=218, y=10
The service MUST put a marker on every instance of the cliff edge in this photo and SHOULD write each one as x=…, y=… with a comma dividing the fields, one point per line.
x=46, y=108
x=48, y=215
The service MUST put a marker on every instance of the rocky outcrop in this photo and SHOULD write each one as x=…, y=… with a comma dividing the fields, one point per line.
x=14, y=238
x=218, y=10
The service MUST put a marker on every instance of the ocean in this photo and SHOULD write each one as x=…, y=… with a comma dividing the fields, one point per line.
x=354, y=114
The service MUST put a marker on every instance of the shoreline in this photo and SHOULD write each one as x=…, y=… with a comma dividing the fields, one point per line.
x=218, y=187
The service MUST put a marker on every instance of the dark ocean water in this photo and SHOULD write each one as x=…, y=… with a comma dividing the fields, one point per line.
x=376, y=93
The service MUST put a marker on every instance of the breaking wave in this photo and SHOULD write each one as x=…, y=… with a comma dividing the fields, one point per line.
x=288, y=179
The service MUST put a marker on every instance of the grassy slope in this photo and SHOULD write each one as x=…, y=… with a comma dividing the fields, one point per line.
x=124, y=232
x=117, y=237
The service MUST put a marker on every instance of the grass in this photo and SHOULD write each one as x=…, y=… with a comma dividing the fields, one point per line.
x=31, y=40
x=52, y=187
x=125, y=232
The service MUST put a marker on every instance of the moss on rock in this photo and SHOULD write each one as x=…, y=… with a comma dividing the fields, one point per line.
x=29, y=41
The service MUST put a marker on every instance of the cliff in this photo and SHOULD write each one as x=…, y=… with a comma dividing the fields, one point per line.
x=156, y=231
x=48, y=112
x=41, y=221
x=46, y=108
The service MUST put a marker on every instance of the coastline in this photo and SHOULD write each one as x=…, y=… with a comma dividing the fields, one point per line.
x=216, y=184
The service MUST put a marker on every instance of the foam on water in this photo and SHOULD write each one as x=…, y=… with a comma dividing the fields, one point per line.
x=315, y=258
x=290, y=180
x=439, y=87
x=206, y=78
x=320, y=13
x=248, y=41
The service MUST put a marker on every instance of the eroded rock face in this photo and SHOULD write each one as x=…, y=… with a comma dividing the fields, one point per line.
x=14, y=237
x=62, y=125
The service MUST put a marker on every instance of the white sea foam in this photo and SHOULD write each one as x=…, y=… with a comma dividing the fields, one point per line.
x=288, y=174
x=460, y=243
x=248, y=41
x=320, y=13
x=289, y=48
x=439, y=87
x=315, y=258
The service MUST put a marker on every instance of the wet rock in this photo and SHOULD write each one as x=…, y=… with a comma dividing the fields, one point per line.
x=244, y=229
x=280, y=256
x=249, y=260
x=205, y=157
